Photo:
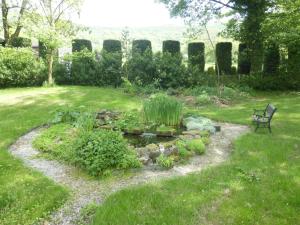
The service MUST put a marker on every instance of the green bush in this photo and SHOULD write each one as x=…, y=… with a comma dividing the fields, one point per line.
x=203, y=99
x=196, y=54
x=163, y=110
x=103, y=150
x=271, y=59
x=142, y=69
x=172, y=47
x=196, y=145
x=141, y=46
x=224, y=57
x=2, y=42
x=165, y=162
x=81, y=44
x=293, y=58
x=244, y=64
x=112, y=46
x=84, y=70
x=42, y=50
x=110, y=69
x=182, y=150
x=20, y=67
x=172, y=73
x=21, y=42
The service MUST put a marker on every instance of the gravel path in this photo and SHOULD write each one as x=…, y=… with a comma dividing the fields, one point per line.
x=87, y=191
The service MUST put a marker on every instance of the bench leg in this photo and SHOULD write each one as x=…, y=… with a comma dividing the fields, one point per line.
x=257, y=126
x=270, y=131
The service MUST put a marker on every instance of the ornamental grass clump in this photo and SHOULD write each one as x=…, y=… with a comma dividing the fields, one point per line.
x=163, y=110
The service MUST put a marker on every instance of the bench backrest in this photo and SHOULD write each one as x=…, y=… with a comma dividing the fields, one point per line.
x=270, y=110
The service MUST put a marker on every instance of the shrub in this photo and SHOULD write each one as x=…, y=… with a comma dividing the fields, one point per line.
x=203, y=99
x=112, y=46
x=42, y=50
x=196, y=145
x=165, y=162
x=103, y=150
x=211, y=70
x=20, y=67
x=182, y=150
x=224, y=57
x=196, y=54
x=244, y=64
x=21, y=42
x=171, y=72
x=81, y=44
x=172, y=47
x=84, y=68
x=162, y=109
x=2, y=42
x=110, y=69
x=293, y=58
x=62, y=72
x=271, y=59
x=142, y=69
x=141, y=46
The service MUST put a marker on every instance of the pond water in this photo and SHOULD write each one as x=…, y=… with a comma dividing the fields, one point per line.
x=145, y=139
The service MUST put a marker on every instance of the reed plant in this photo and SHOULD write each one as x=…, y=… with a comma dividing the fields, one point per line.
x=163, y=110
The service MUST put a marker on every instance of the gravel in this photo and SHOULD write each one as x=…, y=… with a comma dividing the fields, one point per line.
x=86, y=191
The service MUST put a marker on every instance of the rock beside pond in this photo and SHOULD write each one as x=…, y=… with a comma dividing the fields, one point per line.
x=199, y=123
x=105, y=117
x=172, y=150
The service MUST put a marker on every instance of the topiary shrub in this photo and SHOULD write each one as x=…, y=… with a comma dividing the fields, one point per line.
x=293, y=58
x=112, y=46
x=224, y=57
x=21, y=42
x=196, y=54
x=19, y=67
x=271, y=59
x=172, y=47
x=141, y=46
x=81, y=44
x=244, y=64
x=102, y=150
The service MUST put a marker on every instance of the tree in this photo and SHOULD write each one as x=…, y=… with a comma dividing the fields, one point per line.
x=53, y=26
x=12, y=16
x=245, y=26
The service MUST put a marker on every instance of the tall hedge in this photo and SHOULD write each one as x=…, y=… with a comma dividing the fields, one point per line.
x=112, y=46
x=224, y=57
x=21, y=42
x=244, y=63
x=81, y=44
x=196, y=54
x=140, y=46
x=171, y=46
x=271, y=58
x=294, y=58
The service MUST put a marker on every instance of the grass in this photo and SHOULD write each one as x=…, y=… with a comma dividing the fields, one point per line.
x=259, y=185
x=26, y=195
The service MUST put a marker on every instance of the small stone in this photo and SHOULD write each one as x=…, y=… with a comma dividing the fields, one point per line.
x=145, y=161
x=173, y=150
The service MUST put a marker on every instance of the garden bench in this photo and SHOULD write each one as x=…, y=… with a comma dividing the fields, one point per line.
x=262, y=118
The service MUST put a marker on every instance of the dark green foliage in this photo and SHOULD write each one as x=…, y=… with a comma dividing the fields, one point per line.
x=244, y=64
x=111, y=46
x=140, y=46
x=20, y=42
x=224, y=57
x=84, y=68
x=2, y=42
x=142, y=69
x=42, y=50
x=102, y=150
x=110, y=69
x=171, y=72
x=62, y=72
x=196, y=54
x=294, y=58
x=20, y=67
x=172, y=47
x=81, y=44
x=271, y=59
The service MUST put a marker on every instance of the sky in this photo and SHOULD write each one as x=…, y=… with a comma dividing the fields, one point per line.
x=125, y=13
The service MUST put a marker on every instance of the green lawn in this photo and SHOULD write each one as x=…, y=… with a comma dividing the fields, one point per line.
x=259, y=185
x=26, y=195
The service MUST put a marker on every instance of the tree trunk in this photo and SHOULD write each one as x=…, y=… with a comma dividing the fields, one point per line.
x=50, y=67
x=4, y=10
